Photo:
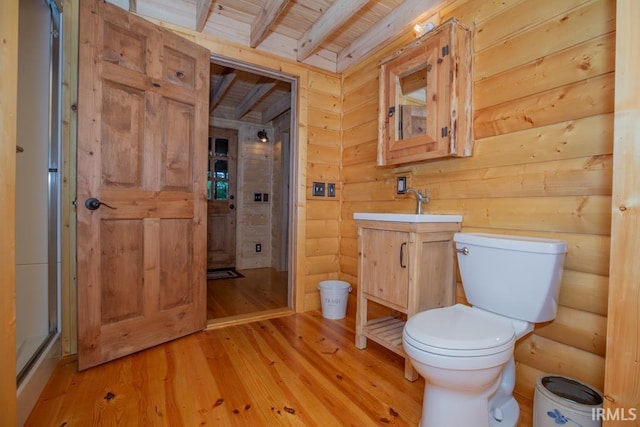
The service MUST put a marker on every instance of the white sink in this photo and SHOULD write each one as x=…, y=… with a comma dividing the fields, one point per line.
x=400, y=217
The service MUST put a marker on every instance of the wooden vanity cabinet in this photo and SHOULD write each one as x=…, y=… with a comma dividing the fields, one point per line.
x=425, y=98
x=407, y=267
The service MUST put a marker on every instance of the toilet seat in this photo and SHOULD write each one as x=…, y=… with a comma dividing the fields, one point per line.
x=460, y=331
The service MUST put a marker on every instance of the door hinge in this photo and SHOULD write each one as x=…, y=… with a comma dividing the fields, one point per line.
x=444, y=132
x=445, y=51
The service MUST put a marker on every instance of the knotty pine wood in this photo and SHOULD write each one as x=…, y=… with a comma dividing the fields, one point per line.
x=314, y=117
x=69, y=127
x=298, y=370
x=622, y=373
x=123, y=294
x=261, y=289
x=556, y=32
x=542, y=162
x=323, y=165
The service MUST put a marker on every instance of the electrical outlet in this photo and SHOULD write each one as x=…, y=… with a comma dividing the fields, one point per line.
x=331, y=189
x=265, y=197
x=257, y=197
x=318, y=189
x=258, y=247
x=401, y=185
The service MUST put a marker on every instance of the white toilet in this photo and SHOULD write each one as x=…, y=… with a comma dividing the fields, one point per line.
x=465, y=354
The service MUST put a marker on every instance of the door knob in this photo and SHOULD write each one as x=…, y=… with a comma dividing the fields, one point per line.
x=92, y=204
x=232, y=206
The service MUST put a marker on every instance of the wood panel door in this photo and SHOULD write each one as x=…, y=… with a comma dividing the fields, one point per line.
x=385, y=266
x=221, y=230
x=142, y=167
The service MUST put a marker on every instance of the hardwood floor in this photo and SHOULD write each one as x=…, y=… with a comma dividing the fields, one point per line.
x=292, y=371
x=261, y=289
x=298, y=370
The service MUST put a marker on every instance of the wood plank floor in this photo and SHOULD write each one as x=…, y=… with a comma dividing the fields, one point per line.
x=298, y=370
x=292, y=371
x=261, y=289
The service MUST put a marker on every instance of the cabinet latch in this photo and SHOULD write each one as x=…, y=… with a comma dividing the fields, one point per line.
x=391, y=111
x=445, y=51
x=444, y=132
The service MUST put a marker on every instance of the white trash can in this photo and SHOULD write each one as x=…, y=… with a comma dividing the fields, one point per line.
x=333, y=296
x=565, y=401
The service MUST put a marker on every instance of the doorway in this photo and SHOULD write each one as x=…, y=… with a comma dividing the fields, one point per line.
x=221, y=204
x=257, y=105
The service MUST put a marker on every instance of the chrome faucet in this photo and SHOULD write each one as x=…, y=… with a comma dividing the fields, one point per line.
x=420, y=199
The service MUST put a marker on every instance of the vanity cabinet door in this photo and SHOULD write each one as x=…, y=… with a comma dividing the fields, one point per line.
x=385, y=266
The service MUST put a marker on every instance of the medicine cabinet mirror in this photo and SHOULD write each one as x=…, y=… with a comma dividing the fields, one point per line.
x=425, y=98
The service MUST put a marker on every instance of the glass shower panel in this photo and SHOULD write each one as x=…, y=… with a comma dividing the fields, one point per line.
x=37, y=182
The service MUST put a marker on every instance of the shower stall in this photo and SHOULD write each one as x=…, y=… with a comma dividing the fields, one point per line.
x=37, y=199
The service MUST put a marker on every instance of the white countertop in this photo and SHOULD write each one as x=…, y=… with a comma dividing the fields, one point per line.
x=400, y=217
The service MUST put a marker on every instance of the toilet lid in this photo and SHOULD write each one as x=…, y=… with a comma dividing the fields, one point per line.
x=460, y=327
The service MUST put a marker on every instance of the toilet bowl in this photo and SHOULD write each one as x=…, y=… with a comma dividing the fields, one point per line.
x=465, y=353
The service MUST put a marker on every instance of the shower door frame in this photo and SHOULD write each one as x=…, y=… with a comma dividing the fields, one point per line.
x=53, y=191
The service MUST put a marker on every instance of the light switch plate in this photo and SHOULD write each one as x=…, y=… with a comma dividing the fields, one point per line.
x=318, y=189
x=331, y=189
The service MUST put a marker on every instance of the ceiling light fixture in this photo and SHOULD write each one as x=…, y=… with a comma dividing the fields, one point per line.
x=424, y=28
x=262, y=136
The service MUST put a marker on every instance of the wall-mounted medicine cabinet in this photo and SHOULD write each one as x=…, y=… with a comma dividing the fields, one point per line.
x=425, y=98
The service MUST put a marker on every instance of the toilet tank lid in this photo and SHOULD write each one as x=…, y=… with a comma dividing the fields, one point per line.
x=514, y=243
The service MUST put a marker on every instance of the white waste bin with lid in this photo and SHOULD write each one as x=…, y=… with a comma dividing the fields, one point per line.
x=334, y=295
x=565, y=401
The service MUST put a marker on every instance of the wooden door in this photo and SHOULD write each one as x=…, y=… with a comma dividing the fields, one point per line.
x=221, y=230
x=142, y=144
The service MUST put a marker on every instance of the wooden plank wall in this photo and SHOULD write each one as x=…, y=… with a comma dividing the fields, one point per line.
x=543, y=78
x=253, y=219
x=323, y=165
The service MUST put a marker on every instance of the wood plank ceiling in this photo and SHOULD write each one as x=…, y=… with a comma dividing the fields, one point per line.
x=329, y=34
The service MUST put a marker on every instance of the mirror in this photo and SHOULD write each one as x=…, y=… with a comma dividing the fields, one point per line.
x=411, y=102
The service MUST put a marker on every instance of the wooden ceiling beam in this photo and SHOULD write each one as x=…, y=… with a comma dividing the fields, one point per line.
x=217, y=92
x=328, y=23
x=203, y=8
x=401, y=19
x=259, y=91
x=277, y=108
x=265, y=20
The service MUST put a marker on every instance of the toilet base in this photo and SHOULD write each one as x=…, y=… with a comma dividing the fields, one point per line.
x=510, y=415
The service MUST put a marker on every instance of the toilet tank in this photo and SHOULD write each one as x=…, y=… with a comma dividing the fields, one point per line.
x=514, y=276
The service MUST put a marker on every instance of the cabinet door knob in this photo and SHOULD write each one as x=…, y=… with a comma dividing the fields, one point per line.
x=402, y=264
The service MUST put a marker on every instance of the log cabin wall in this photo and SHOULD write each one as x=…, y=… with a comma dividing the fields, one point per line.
x=323, y=165
x=543, y=78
